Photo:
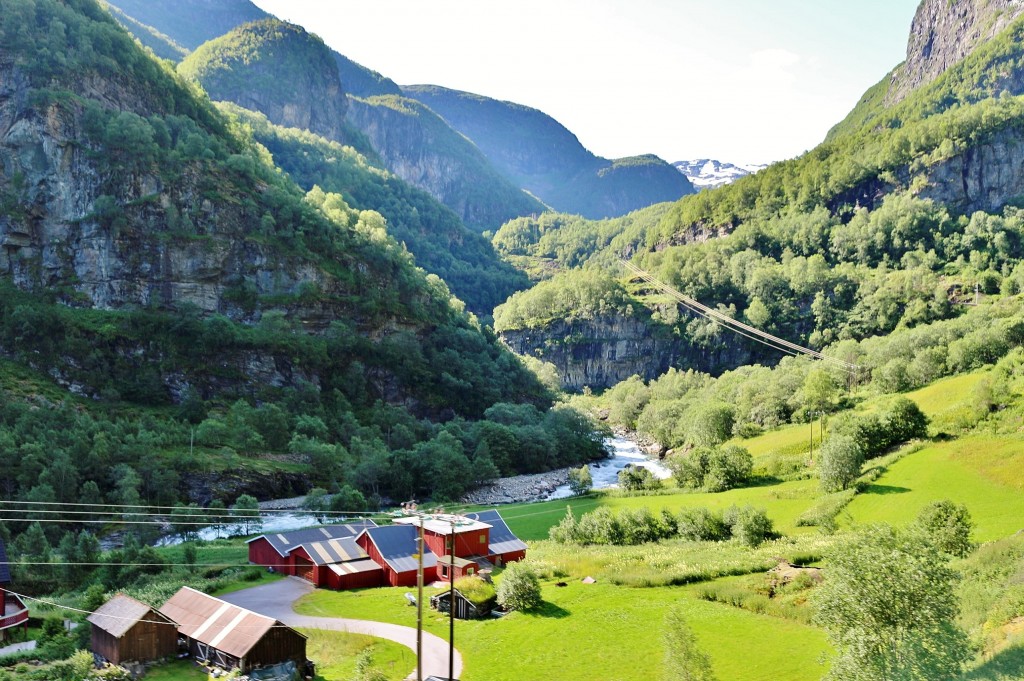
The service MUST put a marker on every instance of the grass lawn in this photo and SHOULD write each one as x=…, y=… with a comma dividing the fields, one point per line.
x=179, y=670
x=598, y=632
x=334, y=653
x=985, y=473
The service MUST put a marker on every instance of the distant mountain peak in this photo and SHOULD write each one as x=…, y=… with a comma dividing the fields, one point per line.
x=707, y=173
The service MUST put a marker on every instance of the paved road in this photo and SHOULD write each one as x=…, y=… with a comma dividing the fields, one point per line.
x=275, y=600
x=27, y=645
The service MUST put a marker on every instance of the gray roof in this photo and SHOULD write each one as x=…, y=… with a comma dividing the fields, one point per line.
x=397, y=545
x=333, y=551
x=121, y=613
x=283, y=542
x=5, y=573
x=500, y=537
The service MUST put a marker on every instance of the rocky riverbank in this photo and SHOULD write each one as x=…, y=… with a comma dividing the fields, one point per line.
x=518, y=488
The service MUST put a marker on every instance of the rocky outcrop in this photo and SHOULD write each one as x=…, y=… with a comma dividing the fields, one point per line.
x=277, y=69
x=420, y=148
x=943, y=33
x=597, y=352
x=984, y=177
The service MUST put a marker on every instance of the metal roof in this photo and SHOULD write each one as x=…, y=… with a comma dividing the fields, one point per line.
x=354, y=566
x=442, y=523
x=397, y=545
x=220, y=625
x=283, y=542
x=501, y=539
x=333, y=551
x=121, y=613
x=5, y=573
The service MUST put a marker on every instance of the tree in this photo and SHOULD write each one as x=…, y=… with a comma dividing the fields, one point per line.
x=819, y=391
x=750, y=525
x=638, y=479
x=519, y=588
x=580, y=480
x=316, y=503
x=247, y=510
x=948, y=526
x=684, y=661
x=889, y=606
x=839, y=462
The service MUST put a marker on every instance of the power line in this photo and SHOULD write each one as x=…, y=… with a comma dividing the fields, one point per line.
x=737, y=326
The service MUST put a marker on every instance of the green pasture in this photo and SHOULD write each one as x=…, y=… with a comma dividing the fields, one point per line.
x=985, y=473
x=598, y=632
x=335, y=652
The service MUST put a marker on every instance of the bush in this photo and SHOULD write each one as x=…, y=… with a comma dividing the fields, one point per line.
x=948, y=526
x=750, y=525
x=702, y=524
x=638, y=479
x=712, y=469
x=519, y=588
x=580, y=480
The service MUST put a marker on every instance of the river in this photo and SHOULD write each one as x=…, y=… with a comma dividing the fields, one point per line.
x=606, y=473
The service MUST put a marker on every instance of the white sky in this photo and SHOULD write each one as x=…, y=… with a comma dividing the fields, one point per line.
x=745, y=81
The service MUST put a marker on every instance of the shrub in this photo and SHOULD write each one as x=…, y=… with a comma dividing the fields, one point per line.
x=750, y=525
x=702, y=524
x=948, y=526
x=638, y=479
x=712, y=469
x=519, y=588
x=580, y=480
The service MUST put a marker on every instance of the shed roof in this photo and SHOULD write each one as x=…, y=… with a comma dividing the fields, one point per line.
x=5, y=573
x=219, y=625
x=333, y=551
x=354, y=566
x=121, y=613
x=283, y=542
x=397, y=546
x=500, y=538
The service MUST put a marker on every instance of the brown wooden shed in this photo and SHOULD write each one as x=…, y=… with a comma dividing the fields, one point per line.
x=229, y=636
x=125, y=630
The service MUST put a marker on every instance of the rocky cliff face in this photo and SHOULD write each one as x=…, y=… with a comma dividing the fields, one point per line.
x=984, y=177
x=419, y=147
x=277, y=69
x=943, y=33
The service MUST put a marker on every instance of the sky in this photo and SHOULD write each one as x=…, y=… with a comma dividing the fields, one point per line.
x=743, y=81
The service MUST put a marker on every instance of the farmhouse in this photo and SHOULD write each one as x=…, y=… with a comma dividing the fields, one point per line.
x=229, y=636
x=12, y=610
x=125, y=630
x=274, y=550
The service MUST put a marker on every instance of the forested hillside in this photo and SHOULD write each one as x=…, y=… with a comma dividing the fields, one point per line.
x=539, y=154
x=181, y=322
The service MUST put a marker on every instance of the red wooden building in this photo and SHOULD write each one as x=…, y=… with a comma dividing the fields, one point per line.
x=335, y=564
x=274, y=550
x=12, y=610
x=232, y=637
x=465, y=544
x=393, y=547
x=125, y=630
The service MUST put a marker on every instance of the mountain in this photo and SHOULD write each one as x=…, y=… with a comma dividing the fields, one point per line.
x=543, y=157
x=909, y=201
x=706, y=173
x=190, y=23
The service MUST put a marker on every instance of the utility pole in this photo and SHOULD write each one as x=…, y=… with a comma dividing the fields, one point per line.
x=451, y=608
x=419, y=607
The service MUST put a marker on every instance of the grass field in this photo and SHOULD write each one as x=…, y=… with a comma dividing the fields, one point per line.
x=179, y=670
x=334, y=653
x=984, y=473
x=599, y=632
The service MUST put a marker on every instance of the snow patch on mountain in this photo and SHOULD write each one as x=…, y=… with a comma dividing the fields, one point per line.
x=706, y=173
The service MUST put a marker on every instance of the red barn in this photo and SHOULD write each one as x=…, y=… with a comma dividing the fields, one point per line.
x=393, y=547
x=272, y=550
x=12, y=610
x=335, y=564
x=503, y=547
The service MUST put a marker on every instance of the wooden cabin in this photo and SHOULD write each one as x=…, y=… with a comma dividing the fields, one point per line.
x=125, y=630
x=231, y=637
x=13, y=611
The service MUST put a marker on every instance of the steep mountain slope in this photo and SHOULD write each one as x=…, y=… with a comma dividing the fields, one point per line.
x=277, y=69
x=542, y=156
x=359, y=81
x=190, y=23
x=418, y=146
x=432, y=232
